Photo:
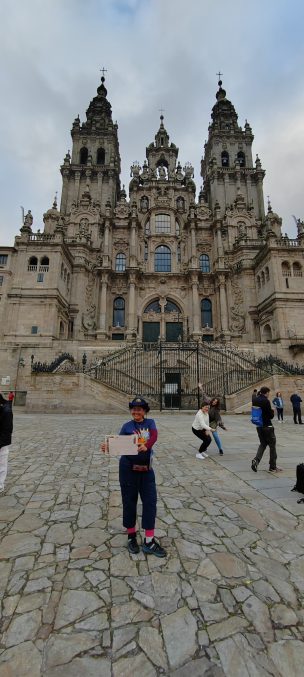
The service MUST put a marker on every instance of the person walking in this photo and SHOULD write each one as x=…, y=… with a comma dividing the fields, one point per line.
x=202, y=429
x=137, y=478
x=296, y=406
x=279, y=405
x=6, y=429
x=215, y=420
x=265, y=432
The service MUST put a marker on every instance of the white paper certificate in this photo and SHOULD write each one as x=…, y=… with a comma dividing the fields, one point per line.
x=122, y=445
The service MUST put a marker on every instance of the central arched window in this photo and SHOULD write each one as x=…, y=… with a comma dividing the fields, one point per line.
x=120, y=263
x=171, y=307
x=225, y=159
x=206, y=313
x=153, y=307
x=204, y=263
x=119, y=312
x=241, y=158
x=101, y=156
x=162, y=223
x=162, y=262
x=32, y=264
x=83, y=156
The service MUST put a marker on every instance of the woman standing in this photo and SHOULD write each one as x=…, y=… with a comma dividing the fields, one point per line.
x=202, y=429
x=279, y=405
x=215, y=420
x=136, y=478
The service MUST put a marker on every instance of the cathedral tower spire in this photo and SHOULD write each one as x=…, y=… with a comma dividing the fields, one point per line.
x=227, y=166
x=95, y=159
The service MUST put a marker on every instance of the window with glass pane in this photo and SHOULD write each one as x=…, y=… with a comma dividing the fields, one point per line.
x=171, y=307
x=119, y=312
x=3, y=259
x=1, y=280
x=146, y=252
x=120, y=263
x=153, y=307
x=204, y=263
x=162, y=259
x=162, y=222
x=206, y=313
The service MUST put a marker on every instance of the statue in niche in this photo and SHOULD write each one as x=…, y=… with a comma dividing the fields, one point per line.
x=180, y=204
x=162, y=172
x=144, y=203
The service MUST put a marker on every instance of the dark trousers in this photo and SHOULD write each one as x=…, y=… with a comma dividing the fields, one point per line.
x=280, y=413
x=297, y=415
x=267, y=439
x=132, y=485
x=206, y=439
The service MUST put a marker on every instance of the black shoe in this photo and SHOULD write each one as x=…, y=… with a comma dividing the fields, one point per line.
x=254, y=465
x=133, y=546
x=221, y=452
x=153, y=548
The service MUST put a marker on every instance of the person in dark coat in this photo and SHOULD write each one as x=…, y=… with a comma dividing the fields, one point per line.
x=265, y=432
x=296, y=406
x=6, y=429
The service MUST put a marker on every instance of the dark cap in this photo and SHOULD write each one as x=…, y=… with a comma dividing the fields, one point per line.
x=139, y=402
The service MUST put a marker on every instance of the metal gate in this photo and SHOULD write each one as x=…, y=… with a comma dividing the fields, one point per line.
x=167, y=374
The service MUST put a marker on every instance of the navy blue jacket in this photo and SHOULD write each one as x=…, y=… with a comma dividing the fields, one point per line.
x=296, y=401
x=267, y=412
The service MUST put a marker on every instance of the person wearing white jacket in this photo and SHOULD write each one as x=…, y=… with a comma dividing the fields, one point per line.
x=201, y=429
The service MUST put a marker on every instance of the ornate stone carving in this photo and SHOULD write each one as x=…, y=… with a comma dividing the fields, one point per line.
x=89, y=316
x=237, y=315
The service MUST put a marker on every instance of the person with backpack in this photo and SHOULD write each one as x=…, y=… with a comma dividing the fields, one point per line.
x=265, y=430
x=296, y=406
x=279, y=405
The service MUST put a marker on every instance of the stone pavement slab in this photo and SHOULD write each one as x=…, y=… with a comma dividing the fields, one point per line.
x=228, y=599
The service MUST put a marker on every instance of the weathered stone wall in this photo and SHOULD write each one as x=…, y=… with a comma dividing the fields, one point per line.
x=72, y=393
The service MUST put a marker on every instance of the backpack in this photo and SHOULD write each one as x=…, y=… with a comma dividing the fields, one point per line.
x=299, y=486
x=256, y=416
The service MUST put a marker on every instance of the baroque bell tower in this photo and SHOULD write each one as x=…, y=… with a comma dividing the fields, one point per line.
x=94, y=165
x=227, y=166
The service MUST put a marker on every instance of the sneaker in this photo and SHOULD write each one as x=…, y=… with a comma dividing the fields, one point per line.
x=277, y=469
x=254, y=465
x=133, y=546
x=200, y=456
x=221, y=452
x=204, y=454
x=153, y=548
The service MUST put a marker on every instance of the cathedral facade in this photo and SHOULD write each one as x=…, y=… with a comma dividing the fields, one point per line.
x=161, y=264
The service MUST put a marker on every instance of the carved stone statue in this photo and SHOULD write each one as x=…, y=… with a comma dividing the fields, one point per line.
x=28, y=219
x=89, y=318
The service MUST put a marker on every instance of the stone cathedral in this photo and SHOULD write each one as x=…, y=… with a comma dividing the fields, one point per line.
x=161, y=264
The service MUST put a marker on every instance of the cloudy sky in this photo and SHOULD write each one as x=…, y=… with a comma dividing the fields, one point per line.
x=158, y=53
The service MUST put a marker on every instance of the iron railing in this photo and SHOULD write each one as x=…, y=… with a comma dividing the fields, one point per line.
x=169, y=373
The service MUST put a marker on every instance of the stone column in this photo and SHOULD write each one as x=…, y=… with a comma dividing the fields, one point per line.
x=76, y=188
x=131, y=331
x=196, y=332
x=102, y=330
x=223, y=304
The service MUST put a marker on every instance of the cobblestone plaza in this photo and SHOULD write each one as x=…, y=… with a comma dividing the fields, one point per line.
x=228, y=599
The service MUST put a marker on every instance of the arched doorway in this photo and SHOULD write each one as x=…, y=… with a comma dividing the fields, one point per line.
x=162, y=319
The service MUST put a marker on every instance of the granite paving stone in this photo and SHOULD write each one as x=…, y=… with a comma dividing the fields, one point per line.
x=228, y=599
